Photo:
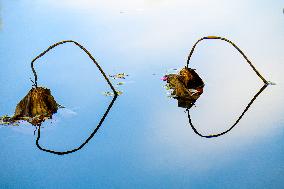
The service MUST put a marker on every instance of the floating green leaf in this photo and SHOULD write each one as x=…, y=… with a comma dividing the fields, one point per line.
x=120, y=83
x=119, y=92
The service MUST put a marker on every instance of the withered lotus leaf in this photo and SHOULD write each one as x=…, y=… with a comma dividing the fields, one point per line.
x=187, y=86
x=36, y=106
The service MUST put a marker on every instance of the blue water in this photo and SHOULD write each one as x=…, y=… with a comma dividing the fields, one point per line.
x=145, y=141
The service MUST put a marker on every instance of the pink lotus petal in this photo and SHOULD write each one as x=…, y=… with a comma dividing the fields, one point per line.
x=164, y=78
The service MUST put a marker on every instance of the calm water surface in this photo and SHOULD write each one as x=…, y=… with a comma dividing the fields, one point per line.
x=146, y=140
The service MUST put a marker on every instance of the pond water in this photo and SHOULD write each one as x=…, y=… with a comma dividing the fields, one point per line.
x=146, y=140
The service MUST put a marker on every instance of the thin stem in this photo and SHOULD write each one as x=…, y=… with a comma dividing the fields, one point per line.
x=85, y=142
x=236, y=47
x=238, y=120
x=81, y=47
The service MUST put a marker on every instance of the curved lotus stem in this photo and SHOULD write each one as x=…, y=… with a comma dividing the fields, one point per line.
x=236, y=47
x=81, y=47
x=85, y=142
x=103, y=117
x=238, y=120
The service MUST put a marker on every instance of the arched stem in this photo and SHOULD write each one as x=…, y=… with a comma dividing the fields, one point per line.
x=236, y=47
x=85, y=142
x=238, y=120
x=81, y=47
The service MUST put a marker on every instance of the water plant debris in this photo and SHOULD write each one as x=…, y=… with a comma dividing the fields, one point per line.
x=119, y=76
x=185, y=86
x=108, y=93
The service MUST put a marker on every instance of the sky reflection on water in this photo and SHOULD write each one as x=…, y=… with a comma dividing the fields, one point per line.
x=146, y=141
